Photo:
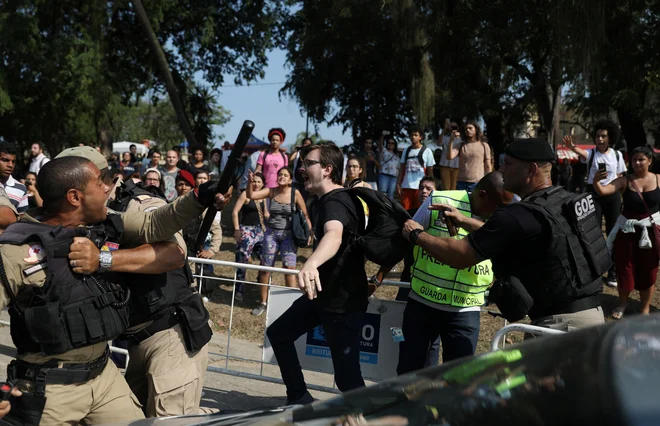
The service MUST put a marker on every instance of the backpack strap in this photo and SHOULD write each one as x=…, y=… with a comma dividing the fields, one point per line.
x=420, y=157
x=293, y=201
x=590, y=161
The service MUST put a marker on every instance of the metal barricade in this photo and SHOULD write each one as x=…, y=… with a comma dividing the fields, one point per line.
x=527, y=328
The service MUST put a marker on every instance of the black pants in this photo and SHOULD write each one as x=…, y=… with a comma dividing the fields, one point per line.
x=608, y=207
x=422, y=324
x=342, y=331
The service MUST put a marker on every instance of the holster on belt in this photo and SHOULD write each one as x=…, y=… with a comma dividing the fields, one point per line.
x=28, y=408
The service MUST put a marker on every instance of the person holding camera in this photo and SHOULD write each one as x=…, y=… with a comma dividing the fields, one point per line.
x=34, y=198
x=389, y=166
x=603, y=157
x=449, y=168
x=371, y=163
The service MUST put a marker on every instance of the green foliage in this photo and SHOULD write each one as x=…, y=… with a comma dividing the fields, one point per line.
x=72, y=71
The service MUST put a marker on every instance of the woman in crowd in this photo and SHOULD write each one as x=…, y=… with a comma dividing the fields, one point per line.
x=34, y=198
x=126, y=166
x=215, y=161
x=389, y=168
x=250, y=232
x=635, y=254
x=279, y=229
x=198, y=164
x=606, y=135
x=296, y=160
x=152, y=177
x=272, y=160
x=355, y=173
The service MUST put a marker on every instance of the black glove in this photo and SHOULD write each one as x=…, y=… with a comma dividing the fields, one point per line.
x=205, y=193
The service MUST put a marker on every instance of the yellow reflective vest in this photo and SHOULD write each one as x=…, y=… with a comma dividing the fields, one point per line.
x=439, y=283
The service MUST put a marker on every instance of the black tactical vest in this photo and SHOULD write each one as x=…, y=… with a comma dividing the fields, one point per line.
x=70, y=311
x=151, y=294
x=570, y=267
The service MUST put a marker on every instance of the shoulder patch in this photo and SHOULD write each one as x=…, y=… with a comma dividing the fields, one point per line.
x=143, y=197
x=149, y=209
x=35, y=254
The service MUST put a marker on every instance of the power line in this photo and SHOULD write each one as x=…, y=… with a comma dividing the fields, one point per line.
x=251, y=85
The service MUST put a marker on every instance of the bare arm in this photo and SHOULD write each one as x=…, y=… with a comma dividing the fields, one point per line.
x=148, y=258
x=568, y=143
x=488, y=165
x=451, y=151
x=7, y=217
x=617, y=185
x=458, y=254
x=256, y=195
x=308, y=277
x=237, y=209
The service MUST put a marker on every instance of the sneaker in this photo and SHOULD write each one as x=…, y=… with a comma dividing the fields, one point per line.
x=259, y=309
x=611, y=282
x=307, y=398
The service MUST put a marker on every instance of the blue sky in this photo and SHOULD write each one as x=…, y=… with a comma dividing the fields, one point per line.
x=262, y=104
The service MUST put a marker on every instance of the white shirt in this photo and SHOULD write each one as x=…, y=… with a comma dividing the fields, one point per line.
x=17, y=193
x=613, y=160
x=414, y=172
x=38, y=162
x=423, y=217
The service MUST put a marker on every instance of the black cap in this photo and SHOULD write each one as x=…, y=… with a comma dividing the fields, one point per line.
x=531, y=149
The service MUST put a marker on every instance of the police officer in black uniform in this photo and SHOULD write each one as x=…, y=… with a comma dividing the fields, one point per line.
x=547, y=251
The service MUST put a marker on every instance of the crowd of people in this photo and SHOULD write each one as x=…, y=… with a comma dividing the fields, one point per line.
x=470, y=225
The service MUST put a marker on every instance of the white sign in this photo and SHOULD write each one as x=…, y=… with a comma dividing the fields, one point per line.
x=379, y=353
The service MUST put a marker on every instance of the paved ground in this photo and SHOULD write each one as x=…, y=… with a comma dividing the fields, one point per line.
x=221, y=391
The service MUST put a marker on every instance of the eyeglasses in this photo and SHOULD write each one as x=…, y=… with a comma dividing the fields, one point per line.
x=309, y=163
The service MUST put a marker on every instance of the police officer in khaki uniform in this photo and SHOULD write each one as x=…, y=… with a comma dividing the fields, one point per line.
x=63, y=310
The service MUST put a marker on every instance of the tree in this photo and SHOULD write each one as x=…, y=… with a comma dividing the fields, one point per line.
x=316, y=138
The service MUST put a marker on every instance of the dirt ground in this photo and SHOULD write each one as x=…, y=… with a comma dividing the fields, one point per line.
x=248, y=327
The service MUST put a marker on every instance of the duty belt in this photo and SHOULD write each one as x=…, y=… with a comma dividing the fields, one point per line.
x=57, y=372
x=164, y=322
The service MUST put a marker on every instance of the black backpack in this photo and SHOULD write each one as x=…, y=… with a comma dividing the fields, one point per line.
x=420, y=155
x=381, y=239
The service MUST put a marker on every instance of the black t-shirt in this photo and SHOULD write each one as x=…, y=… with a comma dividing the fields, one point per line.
x=344, y=288
x=513, y=236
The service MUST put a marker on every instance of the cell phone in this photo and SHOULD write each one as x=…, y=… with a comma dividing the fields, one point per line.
x=601, y=167
x=386, y=132
x=454, y=128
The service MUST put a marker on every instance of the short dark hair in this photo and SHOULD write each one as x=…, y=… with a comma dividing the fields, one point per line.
x=413, y=129
x=492, y=182
x=431, y=179
x=154, y=151
x=132, y=146
x=200, y=171
x=60, y=175
x=329, y=155
x=612, y=130
x=8, y=148
x=176, y=148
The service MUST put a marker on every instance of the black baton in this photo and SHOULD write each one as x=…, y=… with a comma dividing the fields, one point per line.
x=226, y=179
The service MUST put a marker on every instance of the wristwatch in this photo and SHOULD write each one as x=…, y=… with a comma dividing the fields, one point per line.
x=414, y=235
x=105, y=261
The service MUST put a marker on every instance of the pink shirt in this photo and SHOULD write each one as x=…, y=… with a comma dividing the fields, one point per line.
x=273, y=163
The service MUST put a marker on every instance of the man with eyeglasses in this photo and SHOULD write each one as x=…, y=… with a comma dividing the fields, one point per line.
x=336, y=300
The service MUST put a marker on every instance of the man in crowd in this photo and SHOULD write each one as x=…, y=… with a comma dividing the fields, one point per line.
x=169, y=173
x=16, y=191
x=53, y=361
x=335, y=299
x=445, y=302
x=530, y=243
x=417, y=161
x=38, y=157
x=153, y=163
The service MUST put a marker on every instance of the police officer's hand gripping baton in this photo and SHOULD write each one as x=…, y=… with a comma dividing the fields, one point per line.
x=226, y=179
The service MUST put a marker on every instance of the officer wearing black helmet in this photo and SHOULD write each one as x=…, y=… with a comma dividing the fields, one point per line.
x=547, y=251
